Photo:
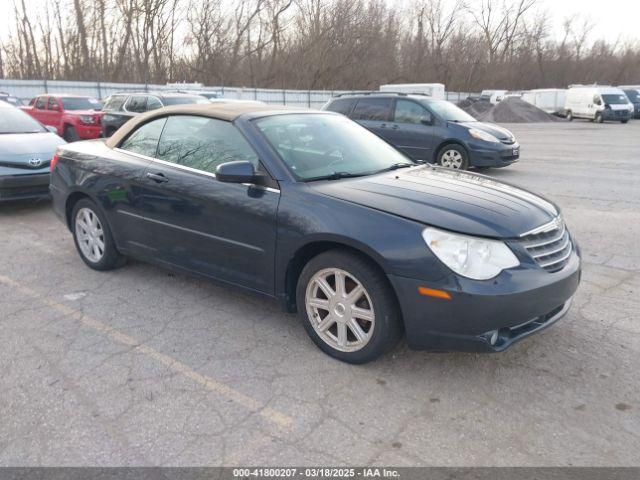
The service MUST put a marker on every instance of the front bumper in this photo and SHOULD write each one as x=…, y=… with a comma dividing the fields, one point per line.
x=616, y=115
x=22, y=187
x=486, y=316
x=88, y=132
x=493, y=155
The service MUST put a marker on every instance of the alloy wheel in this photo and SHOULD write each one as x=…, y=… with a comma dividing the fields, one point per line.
x=451, y=159
x=340, y=309
x=90, y=235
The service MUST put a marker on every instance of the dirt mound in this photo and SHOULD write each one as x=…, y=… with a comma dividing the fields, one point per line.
x=515, y=110
x=510, y=110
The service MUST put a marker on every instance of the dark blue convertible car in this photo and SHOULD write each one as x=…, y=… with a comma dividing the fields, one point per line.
x=314, y=210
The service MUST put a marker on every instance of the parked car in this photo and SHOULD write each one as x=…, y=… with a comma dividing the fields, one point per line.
x=430, y=130
x=26, y=150
x=434, y=90
x=74, y=117
x=493, y=96
x=121, y=107
x=312, y=209
x=209, y=95
x=10, y=99
x=597, y=104
x=551, y=100
x=633, y=94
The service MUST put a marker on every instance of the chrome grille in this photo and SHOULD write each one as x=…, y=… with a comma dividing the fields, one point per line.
x=550, y=248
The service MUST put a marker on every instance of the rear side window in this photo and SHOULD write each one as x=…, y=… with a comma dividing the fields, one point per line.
x=144, y=140
x=137, y=104
x=41, y=103
x=203, y=143
x=341, y=105
x=115, y=102
x=372, y=109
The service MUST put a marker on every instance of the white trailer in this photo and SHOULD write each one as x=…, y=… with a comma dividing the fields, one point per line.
x=551, y=100
x=435, y=90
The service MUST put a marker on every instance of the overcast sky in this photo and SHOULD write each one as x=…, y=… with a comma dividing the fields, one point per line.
x=614, y=18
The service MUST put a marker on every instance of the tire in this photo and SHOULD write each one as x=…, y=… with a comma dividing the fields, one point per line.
x=454, y=157
x=328, y=317
x=70, y=134
x=598, y=118
x=569, y=115
x=624, y=121
x=87, y=240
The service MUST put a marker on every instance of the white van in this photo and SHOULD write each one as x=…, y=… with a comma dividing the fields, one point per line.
x=598, y=104
x=551, y=100
x=434, y=90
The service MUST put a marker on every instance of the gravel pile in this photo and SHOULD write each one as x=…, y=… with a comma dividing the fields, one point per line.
x=510, y=110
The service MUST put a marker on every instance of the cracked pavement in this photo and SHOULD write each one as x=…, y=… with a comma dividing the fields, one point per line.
x=140, y=366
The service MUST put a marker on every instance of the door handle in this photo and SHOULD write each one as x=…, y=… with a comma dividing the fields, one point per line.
x=383, y=125
x=394, y=126
x=157, y=177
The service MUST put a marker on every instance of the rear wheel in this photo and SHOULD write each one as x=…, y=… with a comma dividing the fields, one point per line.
x=624, y=121
x=93, y=238
x=454, y=157
x=598, y=118
x=70, y=134
x=347, y=307
x=570, y=115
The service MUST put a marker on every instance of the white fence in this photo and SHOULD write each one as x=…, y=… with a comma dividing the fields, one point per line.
x=27, y=89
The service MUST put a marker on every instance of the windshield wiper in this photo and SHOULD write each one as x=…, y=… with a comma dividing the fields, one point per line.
x=395, y=166
x=335, y=176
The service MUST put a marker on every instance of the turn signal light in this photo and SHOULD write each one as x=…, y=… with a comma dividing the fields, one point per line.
x=432, y=292
x=54, y=161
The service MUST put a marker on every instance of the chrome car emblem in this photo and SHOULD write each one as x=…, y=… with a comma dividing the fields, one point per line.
x=35, y=161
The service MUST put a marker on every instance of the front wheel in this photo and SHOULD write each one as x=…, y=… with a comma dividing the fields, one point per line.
x=454, y=157
x=570, y=116
x=598, y=118
x=70, y=134
x=624, y=121
x=347, y=307
x=93, y=238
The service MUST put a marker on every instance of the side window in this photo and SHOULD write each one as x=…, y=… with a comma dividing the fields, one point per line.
x=41, y=103
x=341, y=105
x=153, y=103
x=410, y=112
x=137, y=104
x=52, y=102
x=115, y=102
x=203, y=143
x=372, y=109
x=144, y=140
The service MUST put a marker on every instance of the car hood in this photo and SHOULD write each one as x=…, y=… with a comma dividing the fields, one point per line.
x=449, y=199
x=500, y=133
x=21, y=147
x=83, y=112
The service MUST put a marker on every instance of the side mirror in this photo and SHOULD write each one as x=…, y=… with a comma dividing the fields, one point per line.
x=426, y=120
x=240, y=171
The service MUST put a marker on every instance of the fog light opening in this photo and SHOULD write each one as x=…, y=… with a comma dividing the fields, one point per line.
x=493, y=337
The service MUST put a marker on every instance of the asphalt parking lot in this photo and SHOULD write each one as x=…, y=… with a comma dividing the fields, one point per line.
x=139, y=366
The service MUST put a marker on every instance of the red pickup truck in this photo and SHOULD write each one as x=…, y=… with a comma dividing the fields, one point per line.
x=75, y=117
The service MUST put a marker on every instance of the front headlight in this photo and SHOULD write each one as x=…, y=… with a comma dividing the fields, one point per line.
x=471, y=257
x=482, y=135
x=87, y=119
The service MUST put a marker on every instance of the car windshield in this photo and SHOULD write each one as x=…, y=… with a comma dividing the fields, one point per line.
x=13, y=120
x=184, y=100
x=317, y=146
x=634, y=95
x=78, y=103
x=615, y=99
x=449, y=112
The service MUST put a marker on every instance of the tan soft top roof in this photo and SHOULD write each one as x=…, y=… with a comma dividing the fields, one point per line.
x=220, y=110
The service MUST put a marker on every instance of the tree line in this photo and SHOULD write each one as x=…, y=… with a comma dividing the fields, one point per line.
x=311, y=44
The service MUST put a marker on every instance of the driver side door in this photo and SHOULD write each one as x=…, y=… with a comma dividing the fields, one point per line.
x=412, y=130
x=222, y=230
